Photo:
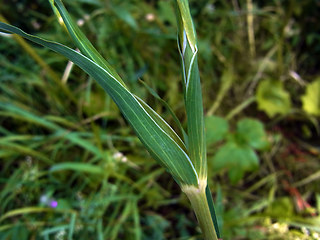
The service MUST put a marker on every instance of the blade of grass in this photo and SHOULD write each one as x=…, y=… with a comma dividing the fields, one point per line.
x=166, y=105
x=136, y=220
x=53, y=230
x=225, y=85
x=192, y=88
x=240, y=107
x=72, y=226
x=78, y=167
x=200, y=198
x=27, y=210
x=82, y=41
x=159, y=143
x=114, y=234
x=88, y=49
x=212, y=211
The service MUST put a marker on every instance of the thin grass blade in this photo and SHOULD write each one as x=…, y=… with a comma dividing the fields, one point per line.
x=72, y=226
x=192, y=88
x=78, y=167
x=212, y=211
x=188, y=50
x=81, y=41
x=167, y=106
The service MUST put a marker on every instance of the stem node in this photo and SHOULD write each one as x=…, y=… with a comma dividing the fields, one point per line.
x=198, y=199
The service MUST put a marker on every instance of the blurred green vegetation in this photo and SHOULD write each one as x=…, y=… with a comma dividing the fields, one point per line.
x=64, y=142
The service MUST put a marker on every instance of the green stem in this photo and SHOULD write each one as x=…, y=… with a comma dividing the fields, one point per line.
x=199, y=203
x=240, y=107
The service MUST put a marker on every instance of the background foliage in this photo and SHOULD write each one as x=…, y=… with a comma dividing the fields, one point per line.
x=71, y=168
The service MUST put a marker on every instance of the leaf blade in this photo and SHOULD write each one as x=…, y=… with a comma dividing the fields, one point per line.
x=159, y=144
x=212, y=211
x=77, y=167
x=82, y=42
x=311, y=98
x=253, y=132
x=272, y=98
x=188, y=49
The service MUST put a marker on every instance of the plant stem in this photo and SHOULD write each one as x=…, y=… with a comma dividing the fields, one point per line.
x=240, y=107
x=198, y=199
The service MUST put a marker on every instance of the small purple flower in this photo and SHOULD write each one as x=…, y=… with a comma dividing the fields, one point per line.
x=53, y=203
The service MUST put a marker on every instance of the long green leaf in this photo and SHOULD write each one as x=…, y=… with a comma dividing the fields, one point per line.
x=27, y=210
x=87, y=48
x=185, y=24
x=188, y=50
x=192, y=88
x=82, y=41
x=212, y=211
x=158, y=142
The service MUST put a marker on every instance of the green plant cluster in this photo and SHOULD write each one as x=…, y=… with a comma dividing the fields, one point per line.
x=72, y=168
x=238, y=153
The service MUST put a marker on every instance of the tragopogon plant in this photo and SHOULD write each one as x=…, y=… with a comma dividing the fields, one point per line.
x=184, y=159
